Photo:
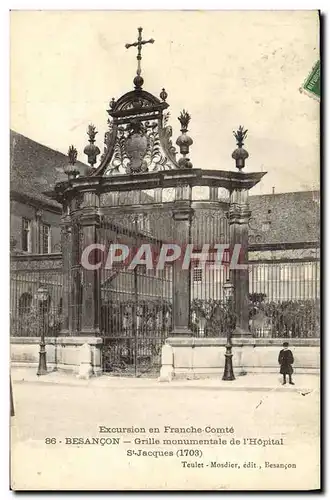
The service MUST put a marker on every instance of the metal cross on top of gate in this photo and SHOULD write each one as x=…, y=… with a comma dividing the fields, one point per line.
x=139, y=45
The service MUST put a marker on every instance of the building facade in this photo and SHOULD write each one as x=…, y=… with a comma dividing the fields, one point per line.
x=34, y=217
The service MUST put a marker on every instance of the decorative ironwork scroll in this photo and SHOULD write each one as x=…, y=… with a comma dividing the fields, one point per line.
x=140, y=146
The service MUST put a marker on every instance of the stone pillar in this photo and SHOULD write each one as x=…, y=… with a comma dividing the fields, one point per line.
x=85, y=370
x=75, y=280
x=66, y=248
x=182, y=215
x=90, y=304
x=239, y=215
x=166, y=371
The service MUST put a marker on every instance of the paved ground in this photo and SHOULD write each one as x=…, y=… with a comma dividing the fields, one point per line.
x=253, y=382
x=62, y=407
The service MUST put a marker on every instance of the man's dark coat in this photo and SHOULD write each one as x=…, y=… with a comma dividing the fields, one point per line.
x=285, y=359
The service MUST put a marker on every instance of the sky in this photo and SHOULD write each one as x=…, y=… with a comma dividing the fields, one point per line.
x=227, y=68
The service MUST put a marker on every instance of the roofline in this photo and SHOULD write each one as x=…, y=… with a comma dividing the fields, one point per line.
x=284, y=193
x=48, y=147
x=35, y=202
x=257, y=247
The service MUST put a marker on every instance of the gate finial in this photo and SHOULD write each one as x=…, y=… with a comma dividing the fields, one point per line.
x=70, y=170
x=184, y=141
x=240, y=154
x=91, y=150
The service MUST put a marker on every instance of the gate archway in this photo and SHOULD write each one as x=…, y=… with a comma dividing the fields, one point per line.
x=142, y=194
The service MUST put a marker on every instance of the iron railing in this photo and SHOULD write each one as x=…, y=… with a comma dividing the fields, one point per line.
x=284, y=301
x=28, y=274
x=285, y=298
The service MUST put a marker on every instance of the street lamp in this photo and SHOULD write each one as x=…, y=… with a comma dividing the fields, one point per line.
x=228, y=289
x=42, y=297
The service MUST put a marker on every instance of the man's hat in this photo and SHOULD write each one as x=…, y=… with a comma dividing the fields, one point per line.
x=285, y=344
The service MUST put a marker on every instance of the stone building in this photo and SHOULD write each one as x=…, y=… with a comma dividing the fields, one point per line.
x=34, y=217
x=35, y=235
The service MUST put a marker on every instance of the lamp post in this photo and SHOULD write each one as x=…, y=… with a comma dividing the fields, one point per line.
x=42, y=297
x=228, y=288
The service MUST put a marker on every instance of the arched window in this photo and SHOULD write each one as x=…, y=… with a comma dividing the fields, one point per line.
x=24, y=304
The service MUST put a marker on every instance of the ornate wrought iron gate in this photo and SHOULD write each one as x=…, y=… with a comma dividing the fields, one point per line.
x=136, y=302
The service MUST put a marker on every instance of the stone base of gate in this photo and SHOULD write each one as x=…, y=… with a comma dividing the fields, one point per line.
x=81, y=356
x=205, y=357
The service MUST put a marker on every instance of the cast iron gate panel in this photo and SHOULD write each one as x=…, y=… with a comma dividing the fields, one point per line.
x=135, y=303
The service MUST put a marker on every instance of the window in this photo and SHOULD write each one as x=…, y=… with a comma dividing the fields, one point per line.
x=26, y=235
x=142, y=269
x=24, y=304
x=45, y=238
x=197, y=274
x=143, y=223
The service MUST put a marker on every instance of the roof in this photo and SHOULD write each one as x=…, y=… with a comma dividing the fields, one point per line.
x=285, y=217
x=35, y=168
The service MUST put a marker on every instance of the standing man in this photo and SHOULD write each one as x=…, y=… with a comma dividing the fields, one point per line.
x=285, y=359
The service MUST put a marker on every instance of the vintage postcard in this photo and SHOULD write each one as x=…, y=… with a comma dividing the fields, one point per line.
x=164, y=250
